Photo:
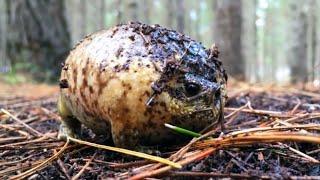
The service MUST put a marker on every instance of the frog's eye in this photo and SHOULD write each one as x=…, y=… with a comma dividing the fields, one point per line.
x=191, y=89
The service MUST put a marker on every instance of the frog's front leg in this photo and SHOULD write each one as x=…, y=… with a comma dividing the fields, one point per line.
x=70, y=126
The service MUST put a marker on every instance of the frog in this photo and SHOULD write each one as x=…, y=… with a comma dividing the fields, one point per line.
x=128, y=81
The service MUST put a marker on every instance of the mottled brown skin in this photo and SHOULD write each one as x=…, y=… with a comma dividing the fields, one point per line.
x=126, y=82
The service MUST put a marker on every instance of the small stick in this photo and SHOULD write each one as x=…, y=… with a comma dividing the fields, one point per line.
x=311, y=159
x=314, y=151
x=63, y=167
x=128, y=152
x=311, y=126
x=144, y=38
x=236, y=111
x=3, y=164
x=25, y=142
x=239, y=159
x=214, y=175
x=296, y=107
x=10, y=139
x=19, y=167
x=306, y=93
x=248, y=139
x=77, y=176
x=41, y=165
x=23, y=133
x=31, y=103
x=261, y=112
x=32, y=131
x=236, y=162
x=50, y=113
x=196, y=157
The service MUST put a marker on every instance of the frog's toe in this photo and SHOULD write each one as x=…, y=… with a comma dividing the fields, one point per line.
x=65, y=132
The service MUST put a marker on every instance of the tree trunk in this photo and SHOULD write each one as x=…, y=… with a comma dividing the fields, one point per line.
x=297, y=41
x=82, y=18
x=119, y=13
x=102, y=11
x=38, y=35
x=133, y=10
x=249, y=33
x=316, y=67
x=227, y=35
x=180, y=15
x=146, y=10
x=312, y=38
x=170, y=13
x=4, y=64
x=269, y=64
x=197, y=20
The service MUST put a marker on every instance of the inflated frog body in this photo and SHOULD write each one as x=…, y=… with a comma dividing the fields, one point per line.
x=128, y=81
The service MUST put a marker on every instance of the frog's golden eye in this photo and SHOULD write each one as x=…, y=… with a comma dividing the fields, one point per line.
x=191, y=89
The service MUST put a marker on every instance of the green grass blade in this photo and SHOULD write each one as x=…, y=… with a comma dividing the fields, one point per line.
x=182, y=130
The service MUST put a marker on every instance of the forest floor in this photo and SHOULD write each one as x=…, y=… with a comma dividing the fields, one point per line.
x=270, y=133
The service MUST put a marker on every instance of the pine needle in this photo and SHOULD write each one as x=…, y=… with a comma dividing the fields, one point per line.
x=129, y=152
x=182, y=130
x=42, y=165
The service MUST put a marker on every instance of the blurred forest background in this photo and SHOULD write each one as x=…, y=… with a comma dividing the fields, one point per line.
x=269, y=41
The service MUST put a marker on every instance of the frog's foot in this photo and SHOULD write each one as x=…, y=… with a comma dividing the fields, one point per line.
x=66, y=131
x=70, y=126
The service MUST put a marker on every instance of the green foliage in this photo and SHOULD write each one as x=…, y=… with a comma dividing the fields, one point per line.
x=12, y=77
x=19, y=73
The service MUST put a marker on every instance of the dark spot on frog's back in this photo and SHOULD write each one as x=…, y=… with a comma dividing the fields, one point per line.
x=147, y=111
x=132, y=38
x=125, y=67
x=91, y=89
x=88, y=113
x=83, y=97
x=95, y=103
x=102, y=84
x=147, y=93
x=74, y=75
x=84, y=83
x=126, y=85
x=116, y=68
x=82, y=92
x=124, y=94
x=119, y=51
x=114, y=31
x=146, y=30
x=126, y=110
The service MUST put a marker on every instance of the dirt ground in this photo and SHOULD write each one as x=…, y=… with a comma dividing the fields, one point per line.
x=283, y=145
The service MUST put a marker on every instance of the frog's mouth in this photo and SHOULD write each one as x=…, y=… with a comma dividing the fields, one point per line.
x=209, y=104
x=201, y=115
